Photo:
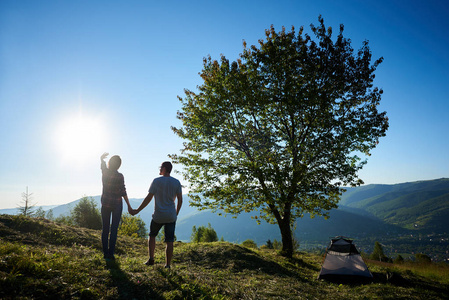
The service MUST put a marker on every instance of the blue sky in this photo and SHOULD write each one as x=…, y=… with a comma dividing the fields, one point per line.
x=119, y=66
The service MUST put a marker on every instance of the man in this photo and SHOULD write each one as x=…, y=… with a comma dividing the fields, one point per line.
x=165, y=190
x=111, y=202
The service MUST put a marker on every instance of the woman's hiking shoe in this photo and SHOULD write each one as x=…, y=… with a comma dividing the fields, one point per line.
x=150, y=262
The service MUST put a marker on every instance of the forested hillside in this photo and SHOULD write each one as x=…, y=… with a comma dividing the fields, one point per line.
x=422, y=205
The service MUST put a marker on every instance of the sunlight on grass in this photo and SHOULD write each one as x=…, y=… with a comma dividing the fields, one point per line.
x=32, y=265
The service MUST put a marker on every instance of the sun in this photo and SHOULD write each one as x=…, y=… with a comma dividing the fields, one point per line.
x=80, y=138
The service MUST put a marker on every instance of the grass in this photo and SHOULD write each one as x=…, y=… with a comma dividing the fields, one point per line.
x=40, y=259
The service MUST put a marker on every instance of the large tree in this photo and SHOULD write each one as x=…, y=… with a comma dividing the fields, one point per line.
x=281, y=130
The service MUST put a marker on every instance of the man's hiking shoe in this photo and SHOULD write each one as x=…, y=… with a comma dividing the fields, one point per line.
x=150, y=262
x=167, y=266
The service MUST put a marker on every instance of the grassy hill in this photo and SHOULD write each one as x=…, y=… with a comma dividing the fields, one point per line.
x=40, y=259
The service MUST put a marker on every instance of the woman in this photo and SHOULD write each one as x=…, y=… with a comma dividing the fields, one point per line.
x=111, y=202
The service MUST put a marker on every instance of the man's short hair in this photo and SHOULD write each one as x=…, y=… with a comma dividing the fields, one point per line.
x=167, y=165
x=115, y=162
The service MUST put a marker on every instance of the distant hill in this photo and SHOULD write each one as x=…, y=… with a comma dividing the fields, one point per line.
x=15, y=211
x=422, y=205
x=343, y=221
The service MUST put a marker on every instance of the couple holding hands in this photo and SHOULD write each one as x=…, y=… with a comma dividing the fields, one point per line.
x=165, y=189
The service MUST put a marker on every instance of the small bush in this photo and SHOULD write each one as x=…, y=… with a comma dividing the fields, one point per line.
x=399, y=259
x=204, y=234
x=132, y=226
x=422, y=258
x=249, y=244
x=277, y=245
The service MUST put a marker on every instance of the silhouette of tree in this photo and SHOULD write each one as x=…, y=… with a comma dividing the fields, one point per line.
x=27, y=208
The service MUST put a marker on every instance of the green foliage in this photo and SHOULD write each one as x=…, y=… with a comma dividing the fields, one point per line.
x=86, y=214
x=50, y=215
x=203, y=234
x=39, y=213
x=249, y=244
x=66, y=220
x=132, y=226
x=378, y=253
x=277, y=244
x=422, y=258
x=399, y=259
x=269, y=245
x=279, y=130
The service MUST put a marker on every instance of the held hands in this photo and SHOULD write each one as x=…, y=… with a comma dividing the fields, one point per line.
x=131, y=211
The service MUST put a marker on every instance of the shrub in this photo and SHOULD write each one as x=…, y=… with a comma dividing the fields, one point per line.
x=249, y=244
x=132, y=226
x=399, y=259
x=277, y=245
x=203, y=234
x=65, y=220
x=422, y=258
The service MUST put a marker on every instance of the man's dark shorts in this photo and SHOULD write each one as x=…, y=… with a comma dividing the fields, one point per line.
x=169, y=229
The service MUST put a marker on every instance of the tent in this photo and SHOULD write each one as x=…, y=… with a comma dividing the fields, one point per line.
x=343, y=260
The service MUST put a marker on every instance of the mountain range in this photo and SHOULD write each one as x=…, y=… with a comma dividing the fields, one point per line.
x=422, y=205
x=377, y=210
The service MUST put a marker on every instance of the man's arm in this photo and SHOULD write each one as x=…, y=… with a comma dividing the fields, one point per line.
x=179, y=196
x=145, y=202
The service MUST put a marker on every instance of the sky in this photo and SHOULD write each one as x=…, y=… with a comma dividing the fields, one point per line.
x=79, y=78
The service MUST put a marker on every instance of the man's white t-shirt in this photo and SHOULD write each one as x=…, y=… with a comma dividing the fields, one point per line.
x=165, y=189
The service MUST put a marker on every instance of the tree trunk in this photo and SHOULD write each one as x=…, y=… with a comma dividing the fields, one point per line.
x=287, y=240
x=286, y=230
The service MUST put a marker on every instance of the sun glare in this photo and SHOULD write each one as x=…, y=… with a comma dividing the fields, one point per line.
x=80, y=138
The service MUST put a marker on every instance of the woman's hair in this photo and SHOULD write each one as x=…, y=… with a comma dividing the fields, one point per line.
x=115, y=162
